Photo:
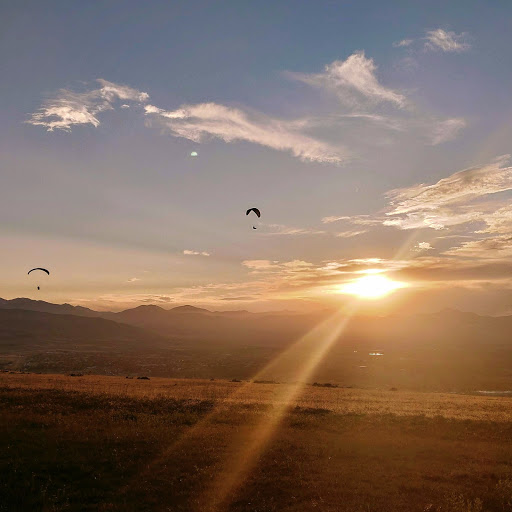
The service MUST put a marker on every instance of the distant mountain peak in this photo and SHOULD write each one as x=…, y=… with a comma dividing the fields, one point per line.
x=46, y=307
x=147, y=307
x=189, y=309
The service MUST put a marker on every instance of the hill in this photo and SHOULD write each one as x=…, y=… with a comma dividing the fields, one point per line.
x=448, y=350
x=31, y=340
x=46, y=307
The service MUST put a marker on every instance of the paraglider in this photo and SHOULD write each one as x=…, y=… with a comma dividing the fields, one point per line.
x=39, y=268
x=42, y=270
x=256, y=211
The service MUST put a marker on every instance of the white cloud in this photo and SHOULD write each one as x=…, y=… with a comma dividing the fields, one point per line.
x=446, y=130
x=70, y=108
x=423, y=246
x=328, y=220
x=354, y=81
x=297, y=264
x=151, y=109
x=195, y=253
x=487, y=248
x=280, y=229
x=365, y=124
x=258, y=264
x=197, y=122
x=350, y=234
x=499, y=221
x=403, y=43
x=460, y=187
x=441, y=40
x=438, y=220
x=455, y=200
x=133, y=279
x=359, y=220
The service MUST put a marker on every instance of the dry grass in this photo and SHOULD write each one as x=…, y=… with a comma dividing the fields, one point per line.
x=108, y=443
x=224, y=392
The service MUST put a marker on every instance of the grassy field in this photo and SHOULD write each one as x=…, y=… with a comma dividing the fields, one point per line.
x=116, y=444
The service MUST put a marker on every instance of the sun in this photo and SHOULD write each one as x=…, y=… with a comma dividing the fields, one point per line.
x=371, y=287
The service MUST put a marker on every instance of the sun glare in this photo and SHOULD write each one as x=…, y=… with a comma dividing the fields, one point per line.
x=373, y=286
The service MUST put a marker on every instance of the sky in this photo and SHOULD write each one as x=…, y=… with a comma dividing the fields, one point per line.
x=374, y=137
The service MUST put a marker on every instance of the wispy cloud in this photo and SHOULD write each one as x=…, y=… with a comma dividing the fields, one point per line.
x=460, y=187
x=354, y=81
x=197, y=122
x=359, y=220
x=403, y=43
x=68, y=108
x=333, y=218
x=446, y=130
x=280, y=229
x=467, y=200
x=258, y=264
x=188, y=252
x=133, y=279
x=368, y=114
x=438, y=220
x=441, y=40
x=464, y=197
x=423, y=246
x=437, y=40
x=499, y=221
x=270, y=280
x=499, y=247
x=350, y=234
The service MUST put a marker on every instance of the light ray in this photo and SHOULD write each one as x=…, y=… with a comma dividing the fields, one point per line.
x=300, y=361
x=310, y=351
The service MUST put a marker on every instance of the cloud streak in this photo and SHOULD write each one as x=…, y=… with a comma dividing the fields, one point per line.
x=446, y=130
x=445, y=202
x=211, y=120
x=354, y=81
x=188, y=252
x=280, y=229
x=423, y=246
x=403, y=43
x=360, y=120
x=441, y=40
x=499, y=247
x=68, y=108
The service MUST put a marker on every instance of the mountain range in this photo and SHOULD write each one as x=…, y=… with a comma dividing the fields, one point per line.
x=449, y=348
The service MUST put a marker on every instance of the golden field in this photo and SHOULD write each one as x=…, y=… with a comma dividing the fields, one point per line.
x=111, y=443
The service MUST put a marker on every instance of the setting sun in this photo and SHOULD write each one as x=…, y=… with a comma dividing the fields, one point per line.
x=371, y=287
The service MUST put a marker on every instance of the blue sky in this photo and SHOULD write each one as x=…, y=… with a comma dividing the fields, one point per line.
x=371, y=137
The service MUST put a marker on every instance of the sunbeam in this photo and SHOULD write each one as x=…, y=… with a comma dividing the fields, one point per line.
x=309, y=351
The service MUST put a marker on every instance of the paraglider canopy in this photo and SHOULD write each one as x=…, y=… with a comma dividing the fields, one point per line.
x=46, y=271
x=194, y=153
x=255, y=210
x=39, y=268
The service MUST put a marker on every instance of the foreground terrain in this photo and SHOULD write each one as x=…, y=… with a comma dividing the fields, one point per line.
x=110, y=443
